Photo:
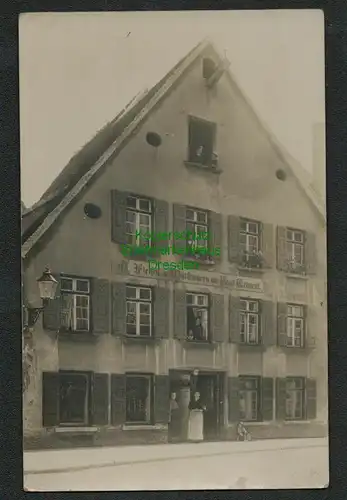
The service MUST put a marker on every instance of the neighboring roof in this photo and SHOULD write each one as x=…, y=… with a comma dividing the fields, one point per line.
x=94, y=155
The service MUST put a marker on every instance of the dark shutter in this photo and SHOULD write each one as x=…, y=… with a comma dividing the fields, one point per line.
x=282, y=309
x=101, y=306
x=100, y=398
x=161, y=217
x=234, y=238
x=216, y=235
x=179, y=225
x=281, y=394
x=118, y=308
x=282, y=261
x=217, y=323
x=118, y=399
x=267, y=396
x=234, y=319
x=267, y=244
x=311, y=325
x=180, y=312
x=118, y=216
x=311, y=399
x=50, y=399
x=267, y=323
x=234, y=399
x=161, y=399
x=52, y=311
x=161, y=312
x=310, y=253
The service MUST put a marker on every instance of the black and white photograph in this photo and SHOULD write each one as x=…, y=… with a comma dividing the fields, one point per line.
x=174, y=265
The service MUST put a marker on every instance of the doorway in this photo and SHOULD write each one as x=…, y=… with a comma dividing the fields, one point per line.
x=211, y=388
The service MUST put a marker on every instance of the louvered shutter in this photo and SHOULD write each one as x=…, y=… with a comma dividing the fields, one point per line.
x=267, y=323
x=100, y=398
x=267, y=393
x=52, y=310
x=218, y=327
x=216, y=236
x=234, y=319
x=100, y=306
x=311, y=318
x=311, y=399
x=282, y=259
x=161, y=399
x=281, y=393
x=310, y=253
x=282, y=309
x=118, y=308
x=267, y=244
x=180, y=314
x=118, y=216
x=234, y=238
x=233, y=399
x=179, y=225
x=118, y=399
x=50, y=399
x=161, y=312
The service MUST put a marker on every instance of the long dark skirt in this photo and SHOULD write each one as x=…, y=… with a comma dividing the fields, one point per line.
x=174, y=427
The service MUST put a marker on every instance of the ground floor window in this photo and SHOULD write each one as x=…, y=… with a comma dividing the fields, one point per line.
x=73, y=398
x=139, y=398
x=249, y=398
x=295, y=398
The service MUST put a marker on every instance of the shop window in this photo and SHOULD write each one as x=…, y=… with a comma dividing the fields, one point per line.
x=75, y=304
x=197, y=316
x=249, y=322
x=249, y=398
x=201, y=141
x=73, y=398
x=138, y=311
x=295, y=398
x=138, y=220
x=139, y=399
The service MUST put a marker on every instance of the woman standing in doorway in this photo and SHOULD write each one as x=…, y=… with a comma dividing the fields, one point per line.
x=174, y=419
x=196, y=419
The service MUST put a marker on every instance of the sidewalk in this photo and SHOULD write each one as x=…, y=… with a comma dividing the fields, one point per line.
x=52, y=461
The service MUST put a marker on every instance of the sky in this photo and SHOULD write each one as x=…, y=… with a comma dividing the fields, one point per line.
x=77, y=70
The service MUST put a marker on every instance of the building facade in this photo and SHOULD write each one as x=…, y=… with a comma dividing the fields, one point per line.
x=247, y=328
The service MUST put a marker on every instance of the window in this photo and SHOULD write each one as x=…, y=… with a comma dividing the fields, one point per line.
x=250, y=243
x=73, y=398
x=295, y=248
x=75, y=304
x=201, y=141
x=295, y=397
x=197, y=228
x=139, y=311
x=249, y=321
x=249, y=397
x=138, y=220
x=197, y=316
x=139, y=396
x=295, y=325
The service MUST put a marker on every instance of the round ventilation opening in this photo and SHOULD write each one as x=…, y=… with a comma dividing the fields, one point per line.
x=153, y=139
x=92, y=211
x=281, y=175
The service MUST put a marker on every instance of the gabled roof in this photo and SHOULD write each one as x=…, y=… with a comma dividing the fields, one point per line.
x=87, y=163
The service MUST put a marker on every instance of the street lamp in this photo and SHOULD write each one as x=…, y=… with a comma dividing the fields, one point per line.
x=47, y=287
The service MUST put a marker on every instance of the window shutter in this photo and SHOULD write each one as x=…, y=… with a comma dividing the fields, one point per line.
x=267, y=244
x=282, y=261
x=311, y=325
x=161, y=312
x=311, y=399
x=118, y=399
x=100, y=398
x=161, y=399
x=281, y=393
x=118, y=216
x=100, y=306
x=180, y=314
x=50, y=399
x=216, y=236
x=310, y=253
x=267, y=387
x=234, y=319
x=179, y=225
x=234, y=399
x=52, y=311
x=267, y=323
x=217, y=323
x=161, y=217
x=282, y=324
x=234, y=238
x=118, y=309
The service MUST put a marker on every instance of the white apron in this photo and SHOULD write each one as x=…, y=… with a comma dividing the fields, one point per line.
x=195, y=425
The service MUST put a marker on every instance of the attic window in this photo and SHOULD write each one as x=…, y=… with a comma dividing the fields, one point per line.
x=208, y=67
x=201, y=141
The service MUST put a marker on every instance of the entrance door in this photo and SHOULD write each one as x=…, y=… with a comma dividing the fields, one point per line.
x=209, y=388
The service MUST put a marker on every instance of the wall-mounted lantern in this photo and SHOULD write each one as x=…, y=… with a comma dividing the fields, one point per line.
x=47, y=287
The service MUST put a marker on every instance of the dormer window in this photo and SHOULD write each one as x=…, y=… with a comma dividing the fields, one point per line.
x=202, y=135
x=208, y=67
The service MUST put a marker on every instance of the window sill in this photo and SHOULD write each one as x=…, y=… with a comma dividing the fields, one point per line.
x=297, y=276
x=77, y=336
x=297, y=422
x=140, y=339
x=78, y=429
x=248, y=270
x=201, y=261
x=251, y=347
x=144, y=427
x=199, y=344
x=297, y=350
x=200, y=166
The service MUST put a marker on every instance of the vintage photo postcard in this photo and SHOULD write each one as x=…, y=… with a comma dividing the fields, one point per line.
x=174, y=275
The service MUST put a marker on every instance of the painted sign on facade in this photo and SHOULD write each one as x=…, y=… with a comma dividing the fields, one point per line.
x=208, y=278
